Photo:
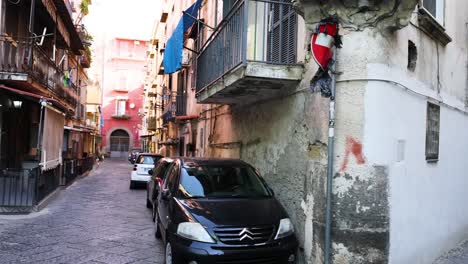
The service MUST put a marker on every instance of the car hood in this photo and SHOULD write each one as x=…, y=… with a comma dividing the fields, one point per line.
x=234, y=212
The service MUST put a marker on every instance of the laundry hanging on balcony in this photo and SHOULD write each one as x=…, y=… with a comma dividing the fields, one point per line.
x=173, y=53
x=67, y=77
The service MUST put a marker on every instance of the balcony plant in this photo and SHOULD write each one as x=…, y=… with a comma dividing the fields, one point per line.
x=84, y=7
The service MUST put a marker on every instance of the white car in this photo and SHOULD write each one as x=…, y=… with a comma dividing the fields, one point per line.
x=143, y=164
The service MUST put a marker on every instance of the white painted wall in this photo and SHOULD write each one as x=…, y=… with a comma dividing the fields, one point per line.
x=428, y=201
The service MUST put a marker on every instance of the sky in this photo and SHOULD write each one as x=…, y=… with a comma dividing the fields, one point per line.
x=108, y=19
x=122, y=18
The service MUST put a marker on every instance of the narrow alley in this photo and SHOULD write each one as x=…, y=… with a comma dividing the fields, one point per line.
x=95, y=220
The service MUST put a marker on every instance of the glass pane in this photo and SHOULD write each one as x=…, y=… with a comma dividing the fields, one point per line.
x=221, y=181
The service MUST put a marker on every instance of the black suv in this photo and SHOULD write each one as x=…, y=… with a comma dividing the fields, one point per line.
x=221, y=211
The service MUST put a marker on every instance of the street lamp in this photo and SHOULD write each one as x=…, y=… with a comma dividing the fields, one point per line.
x=17, y=104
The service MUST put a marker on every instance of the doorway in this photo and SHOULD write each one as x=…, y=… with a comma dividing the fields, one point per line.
x=119, y=143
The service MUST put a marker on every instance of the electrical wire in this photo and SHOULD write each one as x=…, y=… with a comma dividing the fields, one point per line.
x=14, y=3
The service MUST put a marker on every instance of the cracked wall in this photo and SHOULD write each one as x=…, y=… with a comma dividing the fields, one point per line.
x=286, y=138
x=359, y=14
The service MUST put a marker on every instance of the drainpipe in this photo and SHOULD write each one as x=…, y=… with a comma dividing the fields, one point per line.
x=40, y=129
x=331, y=139
x=31, y=32
x=31, y=16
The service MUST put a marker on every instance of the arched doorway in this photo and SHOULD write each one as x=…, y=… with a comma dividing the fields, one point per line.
x=119, y=143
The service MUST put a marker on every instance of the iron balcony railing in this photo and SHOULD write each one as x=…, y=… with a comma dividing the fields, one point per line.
x=18, y=187
x=253, y=31
x=18, y=57
x=175, y=105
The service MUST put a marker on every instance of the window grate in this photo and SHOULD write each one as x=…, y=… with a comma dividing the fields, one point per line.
x=432, y=132
x=431, y=6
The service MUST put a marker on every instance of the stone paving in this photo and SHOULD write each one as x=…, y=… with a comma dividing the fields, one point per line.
x=458, y=255
x=95, y=220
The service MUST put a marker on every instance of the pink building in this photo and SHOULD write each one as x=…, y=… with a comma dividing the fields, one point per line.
x=123, y=73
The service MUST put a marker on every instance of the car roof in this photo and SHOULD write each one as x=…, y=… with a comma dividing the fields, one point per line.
x=211, y=161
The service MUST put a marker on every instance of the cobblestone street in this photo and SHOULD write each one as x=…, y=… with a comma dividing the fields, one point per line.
x=95, y=220
x=458, y=255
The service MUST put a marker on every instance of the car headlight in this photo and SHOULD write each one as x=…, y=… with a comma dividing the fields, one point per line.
x=285, y=228
x=194, y=231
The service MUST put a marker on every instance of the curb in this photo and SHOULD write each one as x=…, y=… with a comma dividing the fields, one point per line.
x=52, y=196
x=47, y=200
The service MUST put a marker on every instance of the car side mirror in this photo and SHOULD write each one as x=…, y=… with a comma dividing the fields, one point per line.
x=166, y=195
x=150, y=172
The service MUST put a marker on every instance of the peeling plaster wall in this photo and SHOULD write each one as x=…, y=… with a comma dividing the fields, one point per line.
x=372, y=222
x=427, y=201
x=286, y=139
x=359, y=14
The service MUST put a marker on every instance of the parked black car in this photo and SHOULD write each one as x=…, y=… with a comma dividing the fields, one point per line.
x=133, y=155
x=221, y=211
x=155, y=183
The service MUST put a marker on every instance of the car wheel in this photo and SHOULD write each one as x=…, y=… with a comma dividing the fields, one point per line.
x=157, y=231
x=132, y=185
x=168, y=254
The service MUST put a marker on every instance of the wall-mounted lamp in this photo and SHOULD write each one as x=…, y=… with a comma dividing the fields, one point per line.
x=17, y=104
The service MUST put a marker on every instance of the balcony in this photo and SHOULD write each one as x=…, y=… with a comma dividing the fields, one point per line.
x=121, y=117
x=25, y=63
x=251, y=56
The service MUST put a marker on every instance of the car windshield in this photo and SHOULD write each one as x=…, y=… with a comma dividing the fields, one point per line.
x=221, y=182
x=148, y=160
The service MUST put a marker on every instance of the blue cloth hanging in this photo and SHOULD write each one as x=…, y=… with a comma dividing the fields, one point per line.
x=172, y=60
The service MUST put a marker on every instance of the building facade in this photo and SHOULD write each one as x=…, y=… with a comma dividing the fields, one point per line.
x=43, y=84
x=401, y=109
x=123, y=81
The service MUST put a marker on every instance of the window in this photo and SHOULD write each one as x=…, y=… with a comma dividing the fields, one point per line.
x=124, y=47
x=162, y=169
x=221, y=181
x=202, y=138
x=120, y=107
x=170, y=181
x=432, y=132
x=123, y=82
x=150, y=160
x=436, y=8
x=412, y=56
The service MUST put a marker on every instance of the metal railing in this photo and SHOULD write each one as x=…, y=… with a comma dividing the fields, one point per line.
x=69, y=170
x=48, y=181
x=18, y=187
x=76, y=167
x=87, y=164
x=22, y=57
x=253, y=31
